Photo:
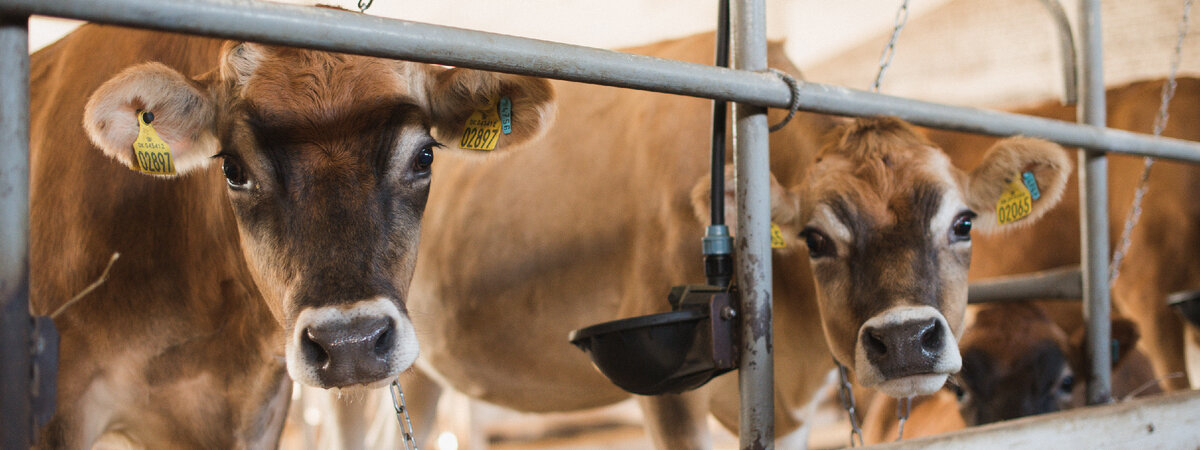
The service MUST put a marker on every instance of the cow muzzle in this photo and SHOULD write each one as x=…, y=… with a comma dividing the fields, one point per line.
x=362, y=344
x=905, y=351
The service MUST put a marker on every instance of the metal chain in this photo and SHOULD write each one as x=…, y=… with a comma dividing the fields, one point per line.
x=410, y=443
x=364, y=4
x=846, y=394
x=1160, y=123
x=793, y=104
x=885, y=59
x=903, y=407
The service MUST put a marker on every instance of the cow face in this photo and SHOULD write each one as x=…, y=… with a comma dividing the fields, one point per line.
x=887, y=222
x=326, y=160
x=1017, y=363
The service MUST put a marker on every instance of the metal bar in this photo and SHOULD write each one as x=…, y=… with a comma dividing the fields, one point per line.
x=349, y=32
x=1066, y=42
x=16, y=327
x=1061, y=284
x=1093, y=202
x=752, y=163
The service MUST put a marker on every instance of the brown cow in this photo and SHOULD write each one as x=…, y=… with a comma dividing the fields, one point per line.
x=601, y=232
x=1161, y=258
x=1017, y=362
x=287, y=240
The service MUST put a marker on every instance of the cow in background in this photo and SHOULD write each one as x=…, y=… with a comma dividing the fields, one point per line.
x=1161, y=258
x=614, y=216
x=1017, y=362
x=279, y=238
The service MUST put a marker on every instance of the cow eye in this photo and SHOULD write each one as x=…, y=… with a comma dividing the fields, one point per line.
x=1067, y=384
x=424, y=159
x=819, y=245
x=961, y=229
x=235, y=174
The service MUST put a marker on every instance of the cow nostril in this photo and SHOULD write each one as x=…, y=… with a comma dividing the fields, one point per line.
x=312, y=349
x=874, y=343
x=383, y=343
x=931, y=336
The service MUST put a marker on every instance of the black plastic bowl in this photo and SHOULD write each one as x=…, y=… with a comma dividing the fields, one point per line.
x=652, y=354
x=1188, y=304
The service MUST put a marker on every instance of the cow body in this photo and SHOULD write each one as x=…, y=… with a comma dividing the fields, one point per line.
x=614, y=216
x=290, y=255
x=1159, y=260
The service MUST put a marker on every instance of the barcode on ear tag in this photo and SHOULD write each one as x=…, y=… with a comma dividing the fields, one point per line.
x=152, y=153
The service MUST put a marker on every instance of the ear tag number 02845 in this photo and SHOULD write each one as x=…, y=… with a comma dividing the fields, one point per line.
x=1015, y=202
x=483, y=127
x=152, y=153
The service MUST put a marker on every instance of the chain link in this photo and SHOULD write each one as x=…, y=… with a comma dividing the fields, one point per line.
x=410, y=443
x=846, y=394
x=885, y=59
x=903, y=407
x=1160, y=123
x=364, y=4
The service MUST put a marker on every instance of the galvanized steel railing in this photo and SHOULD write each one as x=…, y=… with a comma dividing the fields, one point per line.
x=745, y=84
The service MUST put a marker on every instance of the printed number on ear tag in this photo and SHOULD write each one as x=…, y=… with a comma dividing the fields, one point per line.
x=482, y=129
x=153, y=154
x=777, y=237
x=1015, y=202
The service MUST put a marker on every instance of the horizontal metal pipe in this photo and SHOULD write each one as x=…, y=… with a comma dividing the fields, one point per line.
x=1064, y=283
x=350, y=32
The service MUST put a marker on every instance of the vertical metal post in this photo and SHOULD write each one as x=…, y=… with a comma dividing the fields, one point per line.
x=1093, y=200
x=753, y=242
x=16, y=327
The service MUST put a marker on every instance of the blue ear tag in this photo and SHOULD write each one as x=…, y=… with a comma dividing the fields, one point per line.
x=505, y=115
x=1031, y=184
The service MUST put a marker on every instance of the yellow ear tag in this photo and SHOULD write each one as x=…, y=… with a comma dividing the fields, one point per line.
x=777, y=237
x=153, y=154
x=482, y=129
x=1015, y=202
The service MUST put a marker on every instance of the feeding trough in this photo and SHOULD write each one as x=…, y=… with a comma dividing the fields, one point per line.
x=670, y=352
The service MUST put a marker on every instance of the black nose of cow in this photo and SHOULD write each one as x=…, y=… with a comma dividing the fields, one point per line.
x=347, y=354
x=908, y=348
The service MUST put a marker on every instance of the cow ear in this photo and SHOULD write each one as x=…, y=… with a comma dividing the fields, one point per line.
x=1019, y=180
x=455, y=95
x=1124, y=334
x=183, y=115
x=784, y=208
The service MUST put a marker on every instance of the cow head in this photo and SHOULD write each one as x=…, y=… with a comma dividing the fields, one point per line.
x=326, y=162
x=887, y=223
x=1017, y=363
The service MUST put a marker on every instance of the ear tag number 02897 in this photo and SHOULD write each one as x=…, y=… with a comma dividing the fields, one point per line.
x=153, y=155
x=1015, y=202
x=484, y=126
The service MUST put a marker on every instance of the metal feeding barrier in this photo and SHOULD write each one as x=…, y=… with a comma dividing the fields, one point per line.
x=747, y=83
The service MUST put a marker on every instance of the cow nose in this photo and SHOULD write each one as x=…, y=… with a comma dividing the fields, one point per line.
x=907, y=348
x=345, y=353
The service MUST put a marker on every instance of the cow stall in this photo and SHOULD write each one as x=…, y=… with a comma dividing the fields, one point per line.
x=747, y=84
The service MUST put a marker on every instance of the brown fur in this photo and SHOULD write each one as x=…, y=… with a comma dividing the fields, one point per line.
x=594, y=222
x=1160, y=259
x=183, y=346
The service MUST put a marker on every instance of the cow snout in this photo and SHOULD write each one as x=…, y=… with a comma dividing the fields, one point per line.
x=905, y=351
x=343, y=354
x=366, y=343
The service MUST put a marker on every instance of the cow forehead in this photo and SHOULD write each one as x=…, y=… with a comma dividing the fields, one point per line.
x=879, y=191
x=296, y=88
x=1008, y=333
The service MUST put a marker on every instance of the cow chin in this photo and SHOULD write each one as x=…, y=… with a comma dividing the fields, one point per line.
x=361, y=345
x=913, y=385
